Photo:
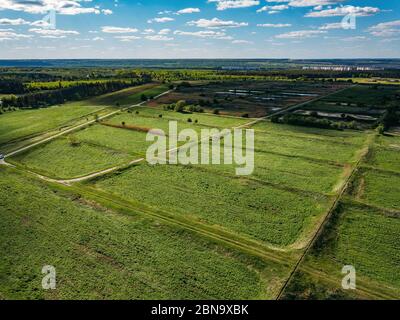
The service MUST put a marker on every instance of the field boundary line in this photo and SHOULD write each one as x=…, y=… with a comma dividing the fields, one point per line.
x=321, y=227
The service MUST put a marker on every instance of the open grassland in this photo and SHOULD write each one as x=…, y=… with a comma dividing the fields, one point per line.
x=259, y=211
x=279, y=204
x=100, y=254
x=387, y=158
x=99, y=147
x=347, y=136
x=123, y=140
x=26, y=123
x=309, y=147
x=158, y=118
x=390, y=141
x=291, y=172
x=18, y=124
x=377, y=188
x=62, y=159
x=373, y=252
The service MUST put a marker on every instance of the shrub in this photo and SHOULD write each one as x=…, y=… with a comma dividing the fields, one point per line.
x=180, y=106
x=73, y=141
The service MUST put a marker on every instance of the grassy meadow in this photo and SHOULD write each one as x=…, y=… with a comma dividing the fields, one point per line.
x=255, y=210
x=27, y=123
x=373, y=252
x=101, y=254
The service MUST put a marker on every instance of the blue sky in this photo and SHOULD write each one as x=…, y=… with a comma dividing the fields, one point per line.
x=200, y=29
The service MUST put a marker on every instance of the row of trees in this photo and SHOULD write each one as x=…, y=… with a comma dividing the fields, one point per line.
x=310, y=121
x=12, y=87
x=183, y=107
x=389, y=119
x=53, y=97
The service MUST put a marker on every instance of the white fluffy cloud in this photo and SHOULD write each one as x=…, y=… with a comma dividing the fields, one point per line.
x=344, y=11
x=233, y=4
x=331, y=26
x=53, y=33
x=188, y=10
x=161, y=20
x=301, y=34
x=205, y=34
x=109, y=29
x=67, y=7
x=273, y=8
x=216, y=23
x=386, y=29
x=274, y=25
x=310, y=3
x=13, y=22
x=159, y=38
x=9, y=34
x=127, y=38
x=242, y=42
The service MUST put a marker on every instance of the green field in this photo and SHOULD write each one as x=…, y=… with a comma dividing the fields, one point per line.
x=346, y=137
x=19, y=124
x=308, y=147
x=60, y=159
x=25, y=123
x=385, y=158
x=378, y=188
x=363, y=232
x=373, y=252
x=150, y=117
x=101, y=147
x=259, y=211
x=136, y=231
x=100, y=254
x=288, y=171
x=273, y=206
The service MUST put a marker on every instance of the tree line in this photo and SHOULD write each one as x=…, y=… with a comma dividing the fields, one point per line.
x=75, y=93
